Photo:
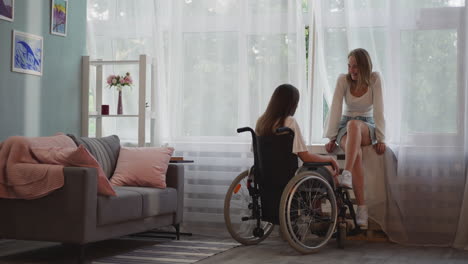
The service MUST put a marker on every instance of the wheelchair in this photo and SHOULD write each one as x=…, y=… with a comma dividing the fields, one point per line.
x=304, y=201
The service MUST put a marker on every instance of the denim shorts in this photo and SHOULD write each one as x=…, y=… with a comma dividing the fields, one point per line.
x=342, y=129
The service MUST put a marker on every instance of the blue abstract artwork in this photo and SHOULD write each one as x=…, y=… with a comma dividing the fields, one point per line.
x=27, y=53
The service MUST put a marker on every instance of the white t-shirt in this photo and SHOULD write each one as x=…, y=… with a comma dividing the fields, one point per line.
x=298, y=143
x=369, y=104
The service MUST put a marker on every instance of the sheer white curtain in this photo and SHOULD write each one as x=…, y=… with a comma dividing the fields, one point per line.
x=217, y=63
x=419, y=48
x=120, y=30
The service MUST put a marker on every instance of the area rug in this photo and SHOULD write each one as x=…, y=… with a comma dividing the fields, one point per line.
x=170, y=252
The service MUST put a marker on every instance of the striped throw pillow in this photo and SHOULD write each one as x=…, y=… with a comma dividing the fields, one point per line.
x=105, y=150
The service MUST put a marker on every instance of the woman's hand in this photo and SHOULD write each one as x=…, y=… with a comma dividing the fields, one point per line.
x=380, y=148
x=336, y=168
x=330, y=146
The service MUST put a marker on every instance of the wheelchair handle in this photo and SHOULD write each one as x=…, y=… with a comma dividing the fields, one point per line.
x=245, y=129
x=252, y=132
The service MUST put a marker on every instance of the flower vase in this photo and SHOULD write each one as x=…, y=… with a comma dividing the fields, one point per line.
x=119, y=104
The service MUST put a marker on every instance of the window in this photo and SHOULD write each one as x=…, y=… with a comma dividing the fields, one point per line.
x=232, y=57
x=210, y=82
x=428, y=70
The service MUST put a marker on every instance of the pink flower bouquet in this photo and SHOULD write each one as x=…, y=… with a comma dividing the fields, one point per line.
x=119, y=81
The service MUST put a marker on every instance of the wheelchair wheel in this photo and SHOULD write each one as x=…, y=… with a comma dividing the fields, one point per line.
x=239, y=215
x=308, y=212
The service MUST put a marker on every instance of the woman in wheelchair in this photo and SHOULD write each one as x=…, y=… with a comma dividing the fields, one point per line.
x=279, y=113
x=305, y=201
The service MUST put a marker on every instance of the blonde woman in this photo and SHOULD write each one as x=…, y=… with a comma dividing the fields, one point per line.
x=361, y=123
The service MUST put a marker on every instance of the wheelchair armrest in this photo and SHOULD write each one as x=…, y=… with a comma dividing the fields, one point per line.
x=316, y=164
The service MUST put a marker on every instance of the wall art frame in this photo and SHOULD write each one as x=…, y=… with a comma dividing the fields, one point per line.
x=27, y=53
x=59, y=17
x=7, y=10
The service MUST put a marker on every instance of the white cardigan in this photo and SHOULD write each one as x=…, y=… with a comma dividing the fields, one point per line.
x=369, y=104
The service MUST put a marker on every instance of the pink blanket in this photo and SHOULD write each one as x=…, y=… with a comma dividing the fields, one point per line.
x=22, y=175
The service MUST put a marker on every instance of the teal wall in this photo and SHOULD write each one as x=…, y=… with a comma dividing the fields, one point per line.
x=43, y=105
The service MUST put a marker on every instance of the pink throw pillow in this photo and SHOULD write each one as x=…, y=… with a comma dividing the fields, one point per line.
x=144, y=167
x=77, y=157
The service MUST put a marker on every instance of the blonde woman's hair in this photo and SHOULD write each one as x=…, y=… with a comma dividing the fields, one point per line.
x=283, y=103
x=364, y=64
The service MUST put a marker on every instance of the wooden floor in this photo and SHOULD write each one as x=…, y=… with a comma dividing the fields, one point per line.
x=360, y=250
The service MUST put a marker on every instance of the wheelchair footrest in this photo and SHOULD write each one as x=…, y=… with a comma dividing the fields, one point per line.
x=370, y=235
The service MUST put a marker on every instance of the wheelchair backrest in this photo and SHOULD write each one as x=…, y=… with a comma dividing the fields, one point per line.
x=276, y=164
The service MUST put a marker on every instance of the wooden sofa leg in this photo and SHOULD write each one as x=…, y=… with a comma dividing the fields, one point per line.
x=82, y=254
x=78, y=251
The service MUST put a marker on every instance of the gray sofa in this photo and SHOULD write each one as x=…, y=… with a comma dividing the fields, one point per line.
x=76, y=214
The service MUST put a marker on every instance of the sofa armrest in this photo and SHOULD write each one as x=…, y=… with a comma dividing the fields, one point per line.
x=65, y=215
x=82, y=193
x=175, y=179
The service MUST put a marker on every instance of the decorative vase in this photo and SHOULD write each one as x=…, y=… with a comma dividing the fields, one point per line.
x=119, y=104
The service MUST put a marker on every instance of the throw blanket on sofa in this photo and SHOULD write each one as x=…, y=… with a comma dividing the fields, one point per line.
x=22, y=175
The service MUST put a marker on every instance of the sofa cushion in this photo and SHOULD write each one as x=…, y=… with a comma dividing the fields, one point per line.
x=123, y=207
x=105, y=150
x=133, y=203
x=142, y=167
x=155, y=201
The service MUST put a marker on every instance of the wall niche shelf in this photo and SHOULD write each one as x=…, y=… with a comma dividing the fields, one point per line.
x=86, y=115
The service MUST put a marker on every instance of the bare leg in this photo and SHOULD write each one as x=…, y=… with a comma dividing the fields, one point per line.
x=357, y=136
x=358, y=179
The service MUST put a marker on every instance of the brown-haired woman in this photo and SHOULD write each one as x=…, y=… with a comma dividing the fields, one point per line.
x=361, y=123
x=279, y=113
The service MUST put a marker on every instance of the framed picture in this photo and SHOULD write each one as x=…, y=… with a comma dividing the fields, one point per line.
x=27, y=53
x=58, y=17
x=6, y=9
